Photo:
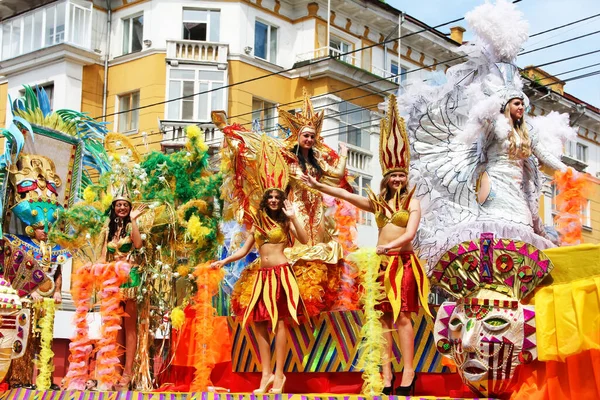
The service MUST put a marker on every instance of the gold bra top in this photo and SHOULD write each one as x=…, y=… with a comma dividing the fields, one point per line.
x=121, y=247
x=267, y=230
x=398, y=214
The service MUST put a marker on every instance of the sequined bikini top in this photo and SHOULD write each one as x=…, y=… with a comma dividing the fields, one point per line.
x=267, y=230
x=122, y=247
x=385, y=213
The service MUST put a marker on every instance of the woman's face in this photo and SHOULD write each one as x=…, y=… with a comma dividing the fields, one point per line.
x=274, y=201
x=306, y=139
x=122, y=208
x=516, y=109
x=397, y=181
x=90, y=384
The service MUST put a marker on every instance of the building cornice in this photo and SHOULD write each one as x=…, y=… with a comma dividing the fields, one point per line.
x=135, y=56
x=49, y=55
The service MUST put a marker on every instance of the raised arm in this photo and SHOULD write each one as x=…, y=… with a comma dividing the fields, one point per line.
x=296, y=226
x=239, y=254
x=411, y=229
x=359, y=201
x=136, y=237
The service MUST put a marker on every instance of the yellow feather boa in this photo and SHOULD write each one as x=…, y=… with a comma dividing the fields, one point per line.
x=45, y=366
x=371, y=333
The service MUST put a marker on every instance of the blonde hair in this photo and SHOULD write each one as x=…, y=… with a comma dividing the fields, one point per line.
x=519, y=127
x=384, y=190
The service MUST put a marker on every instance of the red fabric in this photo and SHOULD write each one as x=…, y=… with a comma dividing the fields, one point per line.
x=409, y=291
x=260, y=313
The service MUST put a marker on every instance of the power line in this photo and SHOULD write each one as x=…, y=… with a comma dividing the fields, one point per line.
x=564, y=26
x=568, y=72
x=563, y=59
x=309, y=63
x=559, y=43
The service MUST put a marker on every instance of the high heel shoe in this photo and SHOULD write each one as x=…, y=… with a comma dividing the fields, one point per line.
x=278, y=390
x=407, y=390
x=263, y=390
x=389, y=390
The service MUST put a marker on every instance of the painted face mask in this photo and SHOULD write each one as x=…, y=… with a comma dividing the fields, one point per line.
x=487, y=331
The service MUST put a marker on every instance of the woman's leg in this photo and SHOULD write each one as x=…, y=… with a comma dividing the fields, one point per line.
x=130, y=327
x=264, y=349
x=407, y=347
x=386, y=365
x=280, y=347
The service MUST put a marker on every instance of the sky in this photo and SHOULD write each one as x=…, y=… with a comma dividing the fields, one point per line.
x=541, y=15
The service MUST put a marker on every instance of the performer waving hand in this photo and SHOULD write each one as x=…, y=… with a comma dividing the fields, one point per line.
x=397, y=215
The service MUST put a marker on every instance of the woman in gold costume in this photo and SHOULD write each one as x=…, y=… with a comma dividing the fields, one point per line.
x=316, y=263
x=122, y=238
x=275, y=294
x=397, y=215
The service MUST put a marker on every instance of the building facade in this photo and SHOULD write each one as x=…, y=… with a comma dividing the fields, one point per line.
x=151, y=67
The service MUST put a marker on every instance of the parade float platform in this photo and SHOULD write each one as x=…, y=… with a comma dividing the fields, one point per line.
x=26, y=394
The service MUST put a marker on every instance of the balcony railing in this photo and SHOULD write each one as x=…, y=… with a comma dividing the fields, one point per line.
x=67, y=21
x=358, y=158
x=174, y=134
x=194, y=50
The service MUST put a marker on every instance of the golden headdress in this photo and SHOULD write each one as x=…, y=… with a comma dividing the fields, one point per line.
x=120, y=192
x=272, y=170
x=306, y=118
x=394, y=150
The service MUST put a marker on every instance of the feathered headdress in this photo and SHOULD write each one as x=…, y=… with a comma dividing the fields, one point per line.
x=306, y=118
x=394, y=150
x=272, y=169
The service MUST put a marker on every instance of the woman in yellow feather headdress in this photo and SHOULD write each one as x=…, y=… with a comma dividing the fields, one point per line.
x=275, y=293
x=316, y=263
x=397, y=215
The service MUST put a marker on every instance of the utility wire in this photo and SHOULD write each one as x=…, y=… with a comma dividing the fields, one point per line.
x=558, y=43
x=564, y=26
x=309, y=63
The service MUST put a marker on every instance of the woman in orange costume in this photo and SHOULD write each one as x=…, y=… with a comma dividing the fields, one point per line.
x=316, y=263
x=275, y=294
x=397, y=215
x=122, y=238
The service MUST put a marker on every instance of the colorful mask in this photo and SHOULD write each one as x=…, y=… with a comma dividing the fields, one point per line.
x=488, y=332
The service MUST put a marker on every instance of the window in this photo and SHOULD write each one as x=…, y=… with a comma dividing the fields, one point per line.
x=203, y=25
x=360, y=185
x=55, y=25
x=338, y=46
x=354, y=124
x=265, y=41
x=400, y=79
x=133, y=34
x=201, y=91
x=263, y=112
x=586, y=215
x=581, y=152
x=128, y=121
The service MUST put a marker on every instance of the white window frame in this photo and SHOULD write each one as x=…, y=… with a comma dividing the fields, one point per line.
x=402, y=70
x=345, y=46
x=269, y=51
x=364, y=127
x=586, y=215
x=44, y=86
x=584, y=152
x=130, y=43
x=207, y=22
x=360, y=186
x=266, y=115
x=197, y=82
x=130, y=113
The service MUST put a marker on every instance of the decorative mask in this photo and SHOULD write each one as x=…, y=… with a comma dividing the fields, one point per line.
x=35, y=191
x=487, y=331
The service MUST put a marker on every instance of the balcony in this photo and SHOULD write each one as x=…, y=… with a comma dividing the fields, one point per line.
x=62, y=22
x=174, y=135
x=345, y=66
x=358, y=159
x=194, y=51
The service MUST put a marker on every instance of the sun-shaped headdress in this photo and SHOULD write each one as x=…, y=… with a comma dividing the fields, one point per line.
x=306, y=118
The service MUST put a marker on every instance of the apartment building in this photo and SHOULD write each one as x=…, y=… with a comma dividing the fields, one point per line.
x=151, y=67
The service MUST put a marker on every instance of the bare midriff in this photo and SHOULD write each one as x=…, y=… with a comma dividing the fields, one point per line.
x=271, y=254
x=391, y=232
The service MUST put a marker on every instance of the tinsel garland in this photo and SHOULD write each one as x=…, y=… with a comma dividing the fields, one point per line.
x=571, y=199
x=80, y=347
x=207, y=282
x=45, y=365
x=371, y=345
x=110, y=277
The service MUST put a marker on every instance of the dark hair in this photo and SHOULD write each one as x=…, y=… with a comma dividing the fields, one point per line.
x=312, y=160
x=278, y=215
x=113, y=225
